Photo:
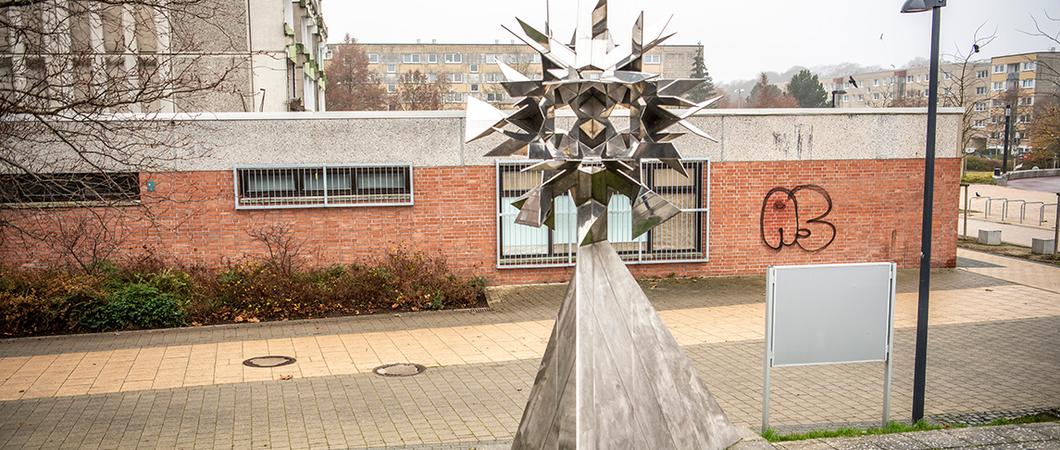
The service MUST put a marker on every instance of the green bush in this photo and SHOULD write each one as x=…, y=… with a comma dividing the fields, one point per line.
x=136, y=306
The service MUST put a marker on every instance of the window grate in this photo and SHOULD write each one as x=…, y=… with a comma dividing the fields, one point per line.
x=323, y=186
x=681, y=239
x=101, y=187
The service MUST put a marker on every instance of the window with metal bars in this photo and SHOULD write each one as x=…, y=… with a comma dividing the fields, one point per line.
x=321, y=186
x=61, y=188
x=681, y=239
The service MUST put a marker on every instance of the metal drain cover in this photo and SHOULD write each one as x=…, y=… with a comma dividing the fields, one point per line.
x=269, y=361
x=400, y=370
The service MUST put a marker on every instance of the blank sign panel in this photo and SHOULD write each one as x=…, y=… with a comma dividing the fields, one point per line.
x=830, y=314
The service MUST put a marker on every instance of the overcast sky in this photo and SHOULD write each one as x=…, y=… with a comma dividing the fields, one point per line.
x=741, y=37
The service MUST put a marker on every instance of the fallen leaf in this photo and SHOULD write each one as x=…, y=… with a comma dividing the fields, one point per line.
x=286, y=377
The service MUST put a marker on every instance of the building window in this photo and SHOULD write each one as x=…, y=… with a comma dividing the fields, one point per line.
x=995, y=119
x=1000, y=68
x=490, y=58
x=494, y=97
x=1024, y=118
x=876, y=96
x=456, y=78
x=980, y=123
x=683, y=238
x=535, y=58
x=996, y=86
x=1027, y=83
x=410, y=58
x=1026, y=101
x=981, y=90
x=652, y=59
x=323, y=186
x=981, y=74
x=1031, y=65
x=910, y=78
x=474, y=88
x=454, y=97
x=391, y=68
x=432, y=77
x=454, y=58
x=980, y=106
x=373, y=58
x=391, y=88
x=861, y=97
x=473, y=68
x=875, y=82
x=432, y=58
x=66, y=188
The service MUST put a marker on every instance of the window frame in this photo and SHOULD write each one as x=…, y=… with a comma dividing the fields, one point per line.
x=131, y=197
x=373, y=58
x=410, y=184
x=653, y=59
x=702, y=189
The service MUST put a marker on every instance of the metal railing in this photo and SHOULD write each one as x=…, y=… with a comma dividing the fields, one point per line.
x=1005, y=202
x=681, y=239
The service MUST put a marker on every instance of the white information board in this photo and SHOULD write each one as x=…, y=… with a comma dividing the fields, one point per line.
x=829, y=314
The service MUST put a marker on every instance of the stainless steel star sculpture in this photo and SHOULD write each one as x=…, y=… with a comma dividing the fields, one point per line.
x=598, y=156
x=612, y=375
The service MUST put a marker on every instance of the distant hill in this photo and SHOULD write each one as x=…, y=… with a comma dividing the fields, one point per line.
x=825, y=73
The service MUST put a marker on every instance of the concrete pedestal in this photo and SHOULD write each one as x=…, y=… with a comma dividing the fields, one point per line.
x=990, y=237
x=1042, y=246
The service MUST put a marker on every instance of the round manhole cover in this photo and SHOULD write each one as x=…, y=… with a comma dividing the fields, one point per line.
x=399, y=370
x=269, y=361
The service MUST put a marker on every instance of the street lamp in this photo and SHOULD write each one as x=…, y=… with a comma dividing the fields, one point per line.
x=835, y=93
x=739, y=96
x=1008, y=131
x=920, y=363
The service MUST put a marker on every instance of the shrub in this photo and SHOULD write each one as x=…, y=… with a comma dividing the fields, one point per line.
x=151, y=295
x=26, y=315
x=136, y=306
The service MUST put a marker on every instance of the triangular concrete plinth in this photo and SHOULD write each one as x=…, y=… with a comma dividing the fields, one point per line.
x=613, y=376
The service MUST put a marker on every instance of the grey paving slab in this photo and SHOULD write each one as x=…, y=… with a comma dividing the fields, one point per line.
x=978, y=367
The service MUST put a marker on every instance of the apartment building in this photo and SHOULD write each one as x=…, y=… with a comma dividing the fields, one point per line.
x=264, y=53
x=989, y=85
x=471, y=69
x=1020, y=81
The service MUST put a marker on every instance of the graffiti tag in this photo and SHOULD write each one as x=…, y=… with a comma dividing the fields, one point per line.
x=782, y=223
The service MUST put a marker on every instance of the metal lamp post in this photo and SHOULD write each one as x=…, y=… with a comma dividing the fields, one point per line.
x=1008, y=139
x=920, y=366
x=836, y=93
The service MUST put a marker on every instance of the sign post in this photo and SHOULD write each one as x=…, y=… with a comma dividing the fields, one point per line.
x=829, y=314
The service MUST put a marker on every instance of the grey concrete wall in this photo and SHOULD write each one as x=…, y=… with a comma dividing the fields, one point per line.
x=435, y=138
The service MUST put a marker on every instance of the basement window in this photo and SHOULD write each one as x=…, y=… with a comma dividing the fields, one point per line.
x=323, y=186
x=70, y=189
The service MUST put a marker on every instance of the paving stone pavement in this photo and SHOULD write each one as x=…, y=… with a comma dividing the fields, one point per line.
x=975, y=364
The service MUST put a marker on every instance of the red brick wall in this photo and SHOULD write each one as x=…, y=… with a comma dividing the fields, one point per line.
x=191, y=218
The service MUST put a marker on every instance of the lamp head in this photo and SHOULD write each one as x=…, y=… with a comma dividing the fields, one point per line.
x=1008, y=110
x=915, y=6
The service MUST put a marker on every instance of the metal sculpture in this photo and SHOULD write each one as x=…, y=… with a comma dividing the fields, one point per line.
x=612, y=374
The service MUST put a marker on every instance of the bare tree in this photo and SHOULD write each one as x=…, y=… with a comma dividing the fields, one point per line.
x=352, y=86
x=82, y=85
x=285, y=250
x=416, y=91
x=962, y=79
